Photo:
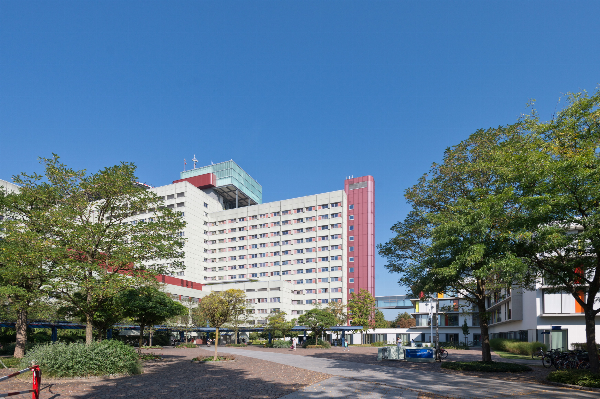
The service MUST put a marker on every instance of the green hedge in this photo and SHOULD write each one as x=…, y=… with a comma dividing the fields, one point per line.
x=486, y=367
x=582, y=346
x=575, y=377
x=81, y=360
x=514, y=346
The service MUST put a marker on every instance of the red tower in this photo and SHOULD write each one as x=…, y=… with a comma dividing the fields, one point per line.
x=360, y=234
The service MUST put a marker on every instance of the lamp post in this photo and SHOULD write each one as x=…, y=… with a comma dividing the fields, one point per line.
x=431, y=319
x=437, y=329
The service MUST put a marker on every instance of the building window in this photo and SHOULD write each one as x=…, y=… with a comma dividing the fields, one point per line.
x=351, y=249
x=351, y=227
x=205, y=205
x=351, y=290
x=351, y=238
x=351, y=269
x=350, y=207
x=350, y=280
x=351, y=217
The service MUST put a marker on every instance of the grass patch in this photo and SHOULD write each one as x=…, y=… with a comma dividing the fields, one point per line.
x=212, y=359
x=61, y=360
x=488, y=367
x=236, y=345
x=11, y=362
x=144, y=357
x=582, y=378
x=152, y=347
x=508, y=355
x=516, y=347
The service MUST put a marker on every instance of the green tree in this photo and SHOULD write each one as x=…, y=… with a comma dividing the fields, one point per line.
x=465, y=331
x=404, y=320
x=458, y=235
x=338, y=309
x=278, y=325
x=148, y=306
x=218, y=308
x=239, y=309
x=380, y=321
x=555, y=174
x=102, y=251
x=362, y=310
x=107, y=312
x=28, y=257
x=317, y=320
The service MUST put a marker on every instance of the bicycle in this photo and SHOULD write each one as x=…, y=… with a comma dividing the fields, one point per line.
x=539, y=353
x=443, y=353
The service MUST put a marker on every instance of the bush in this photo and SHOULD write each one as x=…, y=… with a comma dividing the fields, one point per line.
x=582, y=346
x=486, y=367
x=311, y=341
x=575, y=377
x=281, y=344
x=514, y=346
x=80, y=360
x=236, y=345
x=379, y=343
x=186, y=345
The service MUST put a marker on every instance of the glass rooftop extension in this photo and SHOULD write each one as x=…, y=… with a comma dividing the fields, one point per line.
x=229, y=178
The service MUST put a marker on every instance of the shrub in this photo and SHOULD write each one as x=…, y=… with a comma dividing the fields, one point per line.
x=236, y=345
x=582, y=346
x=311, y=341
x=379, y=343
x=514, y=346
x=186, y=345
x=486, y=367
x=281, y=344
x=80, y=360
x=575, y=377
x=10, y=362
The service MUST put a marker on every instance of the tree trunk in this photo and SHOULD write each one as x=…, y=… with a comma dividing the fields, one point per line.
x=590, y=332
x=89, y=330
x=486, y=354
x=216, y=342
x=141, y=342
x=21, y=329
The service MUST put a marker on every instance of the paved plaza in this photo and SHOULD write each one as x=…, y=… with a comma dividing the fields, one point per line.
x=304, y=374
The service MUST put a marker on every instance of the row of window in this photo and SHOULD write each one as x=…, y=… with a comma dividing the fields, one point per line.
x=319, y=280
x=276, y=263
x=281, y=223
x=276, y=253
x=273, y=243
x=278, y=233
x=272, y=214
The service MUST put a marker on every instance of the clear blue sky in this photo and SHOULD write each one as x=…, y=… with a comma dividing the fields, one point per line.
x=298, y=93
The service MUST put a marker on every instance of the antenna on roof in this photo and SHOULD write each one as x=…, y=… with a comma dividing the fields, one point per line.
x=194, y=160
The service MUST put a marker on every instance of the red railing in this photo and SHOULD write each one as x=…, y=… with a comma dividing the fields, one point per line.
x=35, y=388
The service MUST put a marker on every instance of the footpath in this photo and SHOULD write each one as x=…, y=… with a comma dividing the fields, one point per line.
x=359, y=380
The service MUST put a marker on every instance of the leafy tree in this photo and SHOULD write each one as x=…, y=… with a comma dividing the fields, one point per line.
x=102, y=253
x=28, y=256
x=404, y=320
x=107, y=312
x=380, y=321
x=278, y=325
x=465, y=331
x=317, y=320
x=148, y=306
x=555, y=173
x=458, y=235
x=362, y=310
x=338, y=309
x=239, y=308
x=218, y=308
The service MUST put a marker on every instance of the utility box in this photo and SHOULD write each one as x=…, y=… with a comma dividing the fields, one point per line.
x=420, y=354
x=390, y=353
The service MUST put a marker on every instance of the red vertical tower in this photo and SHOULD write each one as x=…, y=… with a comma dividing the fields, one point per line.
x=360, y=234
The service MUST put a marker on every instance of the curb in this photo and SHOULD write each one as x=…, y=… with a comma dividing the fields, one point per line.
x=578, y=387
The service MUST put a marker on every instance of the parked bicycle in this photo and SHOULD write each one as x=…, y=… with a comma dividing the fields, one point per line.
x=539, y=353
x=443, y=353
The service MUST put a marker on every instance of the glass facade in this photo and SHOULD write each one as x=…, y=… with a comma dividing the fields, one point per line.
x=230, y=173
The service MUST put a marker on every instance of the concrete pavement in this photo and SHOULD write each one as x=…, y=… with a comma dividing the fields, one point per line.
x=404, y=380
